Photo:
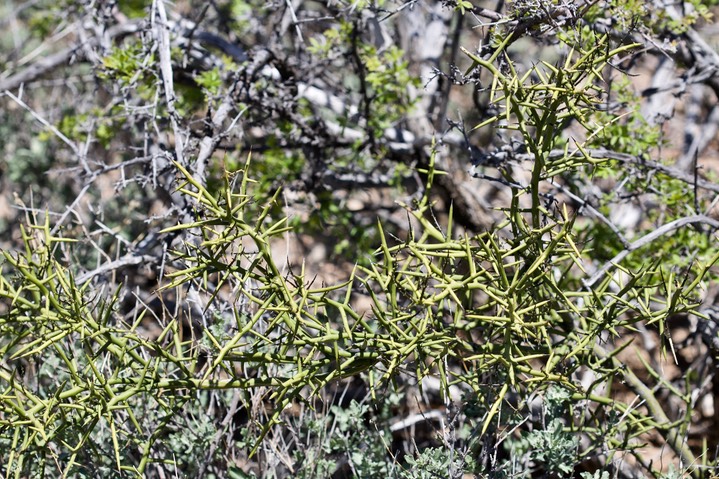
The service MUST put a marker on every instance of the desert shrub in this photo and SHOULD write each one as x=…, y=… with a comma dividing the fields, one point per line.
x=151, y=324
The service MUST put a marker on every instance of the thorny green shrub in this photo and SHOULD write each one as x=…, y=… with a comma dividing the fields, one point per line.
x=493, y=303
x=510, y=316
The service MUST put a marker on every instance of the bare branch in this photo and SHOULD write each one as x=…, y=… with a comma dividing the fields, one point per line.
x=61, y=58
x=127, y=260
x=646, y=240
